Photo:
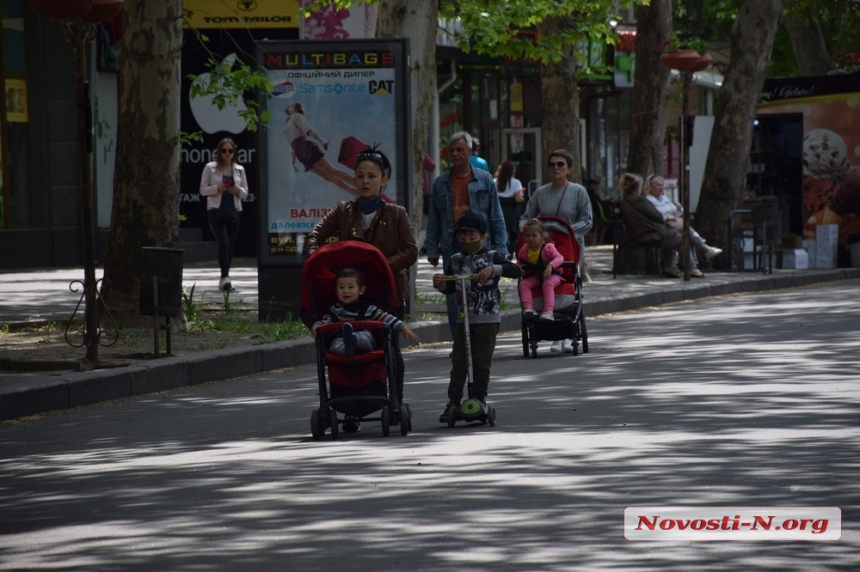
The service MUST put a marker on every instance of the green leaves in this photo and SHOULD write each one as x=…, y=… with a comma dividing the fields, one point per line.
x=227, y=83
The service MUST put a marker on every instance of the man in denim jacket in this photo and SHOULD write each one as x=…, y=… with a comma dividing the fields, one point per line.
x=462, y=189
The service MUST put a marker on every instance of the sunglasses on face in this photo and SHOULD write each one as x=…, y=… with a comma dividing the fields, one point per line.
x=557, y=164
x=227, y=151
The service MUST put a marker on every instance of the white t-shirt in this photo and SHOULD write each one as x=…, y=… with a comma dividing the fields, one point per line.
x=297, y=126
x=665, y=206
x=514, y=186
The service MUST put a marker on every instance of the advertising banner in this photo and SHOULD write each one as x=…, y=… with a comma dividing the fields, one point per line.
x=830, y=147
x=331, y=99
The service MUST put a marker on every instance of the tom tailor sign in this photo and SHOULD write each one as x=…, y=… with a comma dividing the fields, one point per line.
x=330, y=99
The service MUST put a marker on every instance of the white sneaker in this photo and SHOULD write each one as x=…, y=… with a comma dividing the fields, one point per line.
x=225, y=284
x=547, y=315
x=568, y=347
x=556, y=347
x=529, y=313
x=712, y=251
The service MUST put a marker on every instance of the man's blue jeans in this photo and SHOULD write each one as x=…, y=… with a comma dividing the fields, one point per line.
x=451, y=299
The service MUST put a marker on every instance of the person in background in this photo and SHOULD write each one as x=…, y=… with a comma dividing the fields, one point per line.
x=565, y=200
x=645, y=224
x=673, y=214
x=475, y=159
x=462, y=189
x=225, y=185
x=510, y=196
x=429, y=167
x=592, y=187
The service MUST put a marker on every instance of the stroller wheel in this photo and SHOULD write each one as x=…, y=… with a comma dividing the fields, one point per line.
x=386, y=419
x=583, y=332
x=491, y=415
x=405, y=422
x=332, y=418
x=525, y=340
x=316, y=425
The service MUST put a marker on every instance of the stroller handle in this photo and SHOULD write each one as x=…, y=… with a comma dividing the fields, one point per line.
x=453, y=278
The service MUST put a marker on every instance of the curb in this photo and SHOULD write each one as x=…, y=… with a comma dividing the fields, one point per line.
x=33, y=394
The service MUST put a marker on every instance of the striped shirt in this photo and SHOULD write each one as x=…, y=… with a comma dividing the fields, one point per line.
x=361, y=310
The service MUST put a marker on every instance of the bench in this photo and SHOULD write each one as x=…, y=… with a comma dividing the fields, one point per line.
x=631, y=257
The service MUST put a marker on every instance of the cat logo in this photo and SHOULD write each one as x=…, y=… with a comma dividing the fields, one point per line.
x=382, y=87
x=246, y=5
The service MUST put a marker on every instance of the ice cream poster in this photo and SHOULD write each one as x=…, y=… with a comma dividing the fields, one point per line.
x=831, y=146
x=330, y=101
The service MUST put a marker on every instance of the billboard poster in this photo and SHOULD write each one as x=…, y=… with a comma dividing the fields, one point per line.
x=330, y=100
x=212, y=37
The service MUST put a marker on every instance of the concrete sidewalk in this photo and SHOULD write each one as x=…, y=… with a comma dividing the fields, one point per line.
x=45, y=295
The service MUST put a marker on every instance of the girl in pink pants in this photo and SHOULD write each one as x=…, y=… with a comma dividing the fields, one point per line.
x=540, y=262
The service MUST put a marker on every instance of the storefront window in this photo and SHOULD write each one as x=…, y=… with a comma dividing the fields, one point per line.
x=14, y=118
x=608, y=137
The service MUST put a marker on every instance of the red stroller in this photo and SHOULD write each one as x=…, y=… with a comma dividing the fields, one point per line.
x=569, y=317
x=365, y=383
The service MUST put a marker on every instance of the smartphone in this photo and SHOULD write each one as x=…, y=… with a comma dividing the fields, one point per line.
x=227, y=180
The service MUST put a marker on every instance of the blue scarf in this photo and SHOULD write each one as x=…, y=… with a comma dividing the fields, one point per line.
x=368, y=206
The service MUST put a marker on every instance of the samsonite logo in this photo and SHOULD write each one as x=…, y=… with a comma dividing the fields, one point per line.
x=286, y=89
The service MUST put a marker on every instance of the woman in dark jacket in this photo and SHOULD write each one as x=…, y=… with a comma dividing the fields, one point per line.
x=372, y=220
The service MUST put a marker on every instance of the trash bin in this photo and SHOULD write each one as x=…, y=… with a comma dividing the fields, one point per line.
x=164, y=264
x=854, y=248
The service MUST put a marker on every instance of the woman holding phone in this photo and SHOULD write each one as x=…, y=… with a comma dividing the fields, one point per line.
x=224, y=185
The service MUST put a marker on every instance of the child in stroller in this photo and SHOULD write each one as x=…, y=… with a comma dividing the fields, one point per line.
x=349, y=285
x=567, y=326
x=364, y=383
x=541, y=263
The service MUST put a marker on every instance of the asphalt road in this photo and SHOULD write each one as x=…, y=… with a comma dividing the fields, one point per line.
x=732, y=401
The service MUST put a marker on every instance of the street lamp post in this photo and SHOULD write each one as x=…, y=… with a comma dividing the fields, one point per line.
x=686, y=62
x=78, y=18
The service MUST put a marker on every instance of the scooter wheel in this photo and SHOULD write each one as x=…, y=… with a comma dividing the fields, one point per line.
x=452, y=415
x=491, y=415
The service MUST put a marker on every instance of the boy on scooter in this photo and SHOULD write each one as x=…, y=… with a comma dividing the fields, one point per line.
x=482, y=300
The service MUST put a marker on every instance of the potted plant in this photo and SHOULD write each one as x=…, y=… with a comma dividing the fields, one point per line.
x=686, y=54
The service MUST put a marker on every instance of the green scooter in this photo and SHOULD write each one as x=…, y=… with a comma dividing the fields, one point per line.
x=471, y=409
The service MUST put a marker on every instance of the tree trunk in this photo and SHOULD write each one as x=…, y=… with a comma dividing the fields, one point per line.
x=725, y=169
x=650, y=88
x=560, y=100
x=416, y=20
x=807, y=42
x=146, y=182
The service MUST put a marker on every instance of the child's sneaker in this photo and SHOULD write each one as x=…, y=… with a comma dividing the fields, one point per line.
x=529, y=313
x=547, y=315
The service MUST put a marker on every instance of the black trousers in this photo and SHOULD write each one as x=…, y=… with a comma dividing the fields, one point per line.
x=399, y=366
x=483, y=342
x=225, y=227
